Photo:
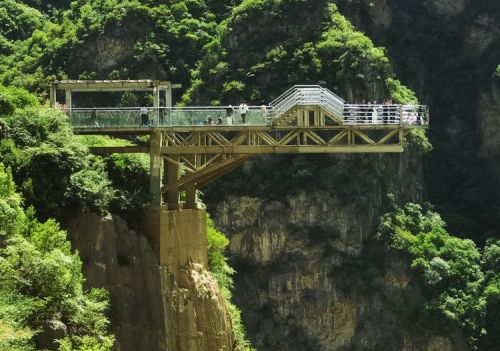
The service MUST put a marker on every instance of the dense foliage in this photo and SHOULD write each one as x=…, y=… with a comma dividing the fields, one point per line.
x=144, y=39
x=55, y=172
x=41, y=295
x=218, y=266
x=245, y=61
x=223, y=52
x=460, y=284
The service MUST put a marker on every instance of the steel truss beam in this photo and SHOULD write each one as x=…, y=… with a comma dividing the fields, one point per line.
x=291, y=140
x=203, y=155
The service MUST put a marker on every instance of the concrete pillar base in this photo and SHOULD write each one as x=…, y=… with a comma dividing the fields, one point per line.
x=177, y=236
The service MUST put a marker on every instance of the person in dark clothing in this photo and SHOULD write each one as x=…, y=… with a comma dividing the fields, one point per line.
x=144, y=116
x=93, y=117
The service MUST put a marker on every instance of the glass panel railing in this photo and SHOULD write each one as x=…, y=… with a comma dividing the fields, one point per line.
x=351, y=114
x=175, y=116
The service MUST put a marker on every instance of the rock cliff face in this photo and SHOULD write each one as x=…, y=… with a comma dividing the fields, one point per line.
x=150, y=310
x=310, y=275
x=447, y=52
x=489, y=122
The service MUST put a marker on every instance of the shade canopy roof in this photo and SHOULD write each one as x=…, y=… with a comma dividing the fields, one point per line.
x=113, y=85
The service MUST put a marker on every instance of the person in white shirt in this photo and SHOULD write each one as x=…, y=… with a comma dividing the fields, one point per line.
x=263, y=113
x=229, y=115
x=243, y=111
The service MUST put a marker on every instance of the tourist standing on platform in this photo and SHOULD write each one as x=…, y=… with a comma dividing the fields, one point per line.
x=93, y=117
x=229, y=115
x=144, y=116
x=374, y=115
x=243, y=111
x=263, y=113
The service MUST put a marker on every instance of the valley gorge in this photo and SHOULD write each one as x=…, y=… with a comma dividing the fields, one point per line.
x=313, y=270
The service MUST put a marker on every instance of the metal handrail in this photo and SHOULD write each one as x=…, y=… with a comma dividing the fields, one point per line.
x=307, y=95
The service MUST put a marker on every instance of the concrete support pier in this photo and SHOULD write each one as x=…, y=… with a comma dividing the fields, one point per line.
x=177, y=236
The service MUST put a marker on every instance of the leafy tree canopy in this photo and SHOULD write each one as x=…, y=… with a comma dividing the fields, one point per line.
x=41, y=283
x=460, y=283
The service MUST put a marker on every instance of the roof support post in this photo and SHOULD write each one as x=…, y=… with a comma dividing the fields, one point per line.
x=53, y=96
x=156, y=104
x=168, y=95
x=69, y=102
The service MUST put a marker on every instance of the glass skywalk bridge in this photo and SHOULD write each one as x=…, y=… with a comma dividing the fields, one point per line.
x=351, y=114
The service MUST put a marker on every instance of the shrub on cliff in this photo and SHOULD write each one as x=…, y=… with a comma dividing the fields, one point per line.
x=41, y=293
x=54, y=170
x=223, y=273
x=148, y=38
x=491, y=267
x=461, y=285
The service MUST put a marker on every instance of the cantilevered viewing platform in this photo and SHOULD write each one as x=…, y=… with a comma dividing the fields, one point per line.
x=208, y=141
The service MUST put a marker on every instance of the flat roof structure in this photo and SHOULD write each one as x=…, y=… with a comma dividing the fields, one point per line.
x=71, y=86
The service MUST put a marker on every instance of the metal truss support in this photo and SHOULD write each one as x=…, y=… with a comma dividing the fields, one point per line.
x=184, y=160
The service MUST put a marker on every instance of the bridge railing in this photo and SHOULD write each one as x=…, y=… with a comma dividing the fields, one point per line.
x=354, y=114
x=304, y=95
x=349, y=114
x=164, y=116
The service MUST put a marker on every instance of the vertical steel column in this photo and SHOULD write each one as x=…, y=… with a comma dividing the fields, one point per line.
x=191, y=194
x=156, y=104
x=172, y=175
x=168, y=95
x=156, y=167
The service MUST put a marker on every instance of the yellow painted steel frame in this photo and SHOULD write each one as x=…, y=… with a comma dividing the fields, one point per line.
x=345, y=139
x=187, y=158
x=199, y=156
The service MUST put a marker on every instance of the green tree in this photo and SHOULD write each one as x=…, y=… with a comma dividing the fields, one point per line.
x=41, y=282
x=491, y=267
x=449, y=268
x=55, y=171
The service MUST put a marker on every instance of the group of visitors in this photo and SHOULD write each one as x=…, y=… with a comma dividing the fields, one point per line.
x=210, y=121
x=243, y=110
x=384, y=113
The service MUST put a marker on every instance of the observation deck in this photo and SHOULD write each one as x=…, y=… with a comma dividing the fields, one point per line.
x=208, y=141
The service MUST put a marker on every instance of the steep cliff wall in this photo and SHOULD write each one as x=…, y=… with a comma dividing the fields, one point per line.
x=447, y=52
x=489, y=112
x=310, y=275
x=150, y=309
